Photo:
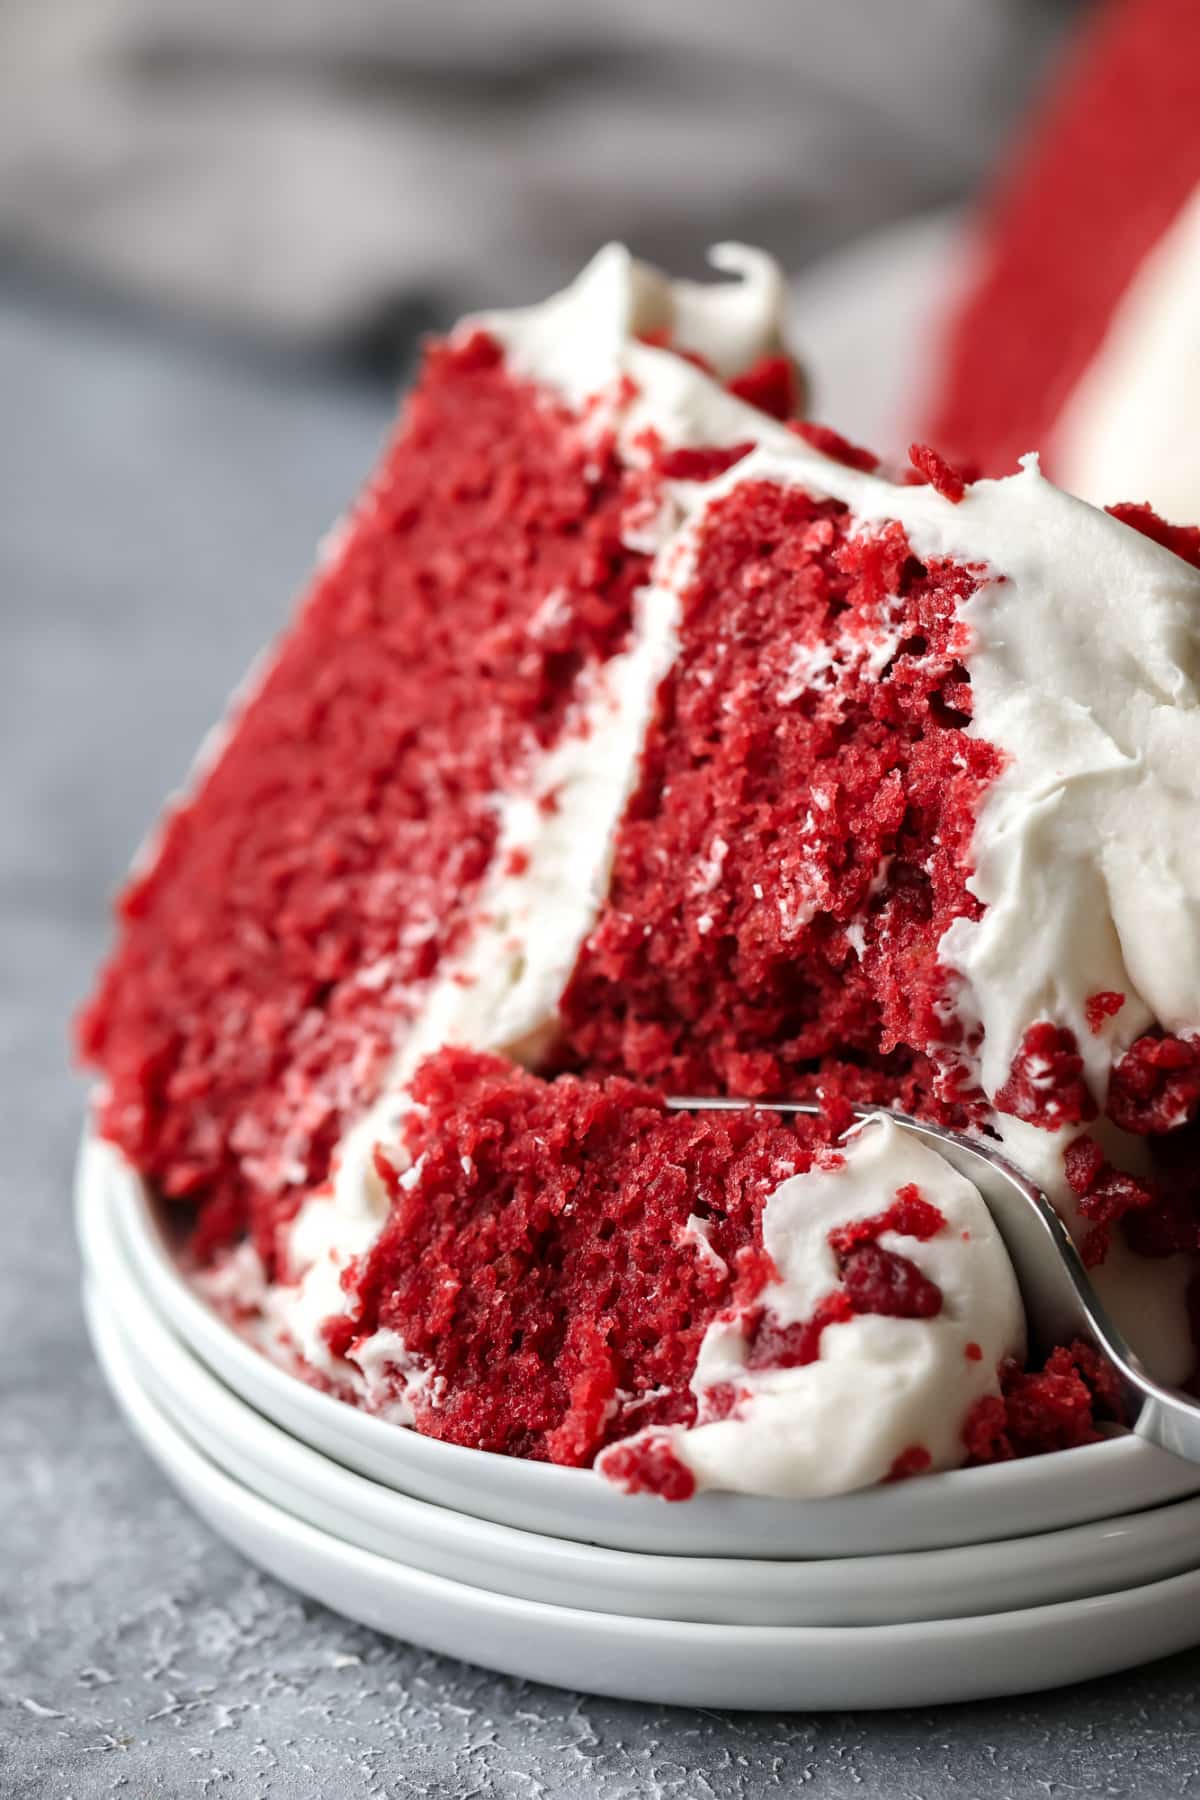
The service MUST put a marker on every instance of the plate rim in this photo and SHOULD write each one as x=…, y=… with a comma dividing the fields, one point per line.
x=670, y=1580
x=737, y=1666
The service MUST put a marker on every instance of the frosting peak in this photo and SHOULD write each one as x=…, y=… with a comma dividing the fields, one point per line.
x=578, y=340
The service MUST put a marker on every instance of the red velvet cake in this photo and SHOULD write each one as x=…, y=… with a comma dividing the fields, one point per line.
x=1079, y=334
x=635, y=741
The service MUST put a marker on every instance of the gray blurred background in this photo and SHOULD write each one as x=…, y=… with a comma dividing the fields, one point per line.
x=221, y=227
x=328, y=172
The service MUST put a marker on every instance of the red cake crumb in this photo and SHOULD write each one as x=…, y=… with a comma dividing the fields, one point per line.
x=878, y=1280
x=942, y=476
x=832, y=443
x=913, y=1461
x=349, y=818
x=703, y=463
x=1104, y=1194
x=724, y=1400
x=772, y=1344
x=973, y=1352
x=984, y=1436
x=874, y=1280
x=1046, y=1085
x=770, y=385
x=649, y=1466
x=1054, y=1408
x=1099, y=1007
x=1156, y=1085
x=909, y=1215
x=800, y=793
x=1182, y=540
x=881, y=1281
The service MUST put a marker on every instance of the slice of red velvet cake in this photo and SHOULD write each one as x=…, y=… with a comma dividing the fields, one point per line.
x=632, y=734
x=1079, y=334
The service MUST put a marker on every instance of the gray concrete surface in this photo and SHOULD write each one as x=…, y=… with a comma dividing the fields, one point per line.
x=158, y=506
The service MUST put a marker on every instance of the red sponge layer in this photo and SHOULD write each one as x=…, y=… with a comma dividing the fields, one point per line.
x=330, y=856
x=801, y=836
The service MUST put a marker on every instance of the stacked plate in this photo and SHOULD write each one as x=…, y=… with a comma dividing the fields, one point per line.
x=950, y=1587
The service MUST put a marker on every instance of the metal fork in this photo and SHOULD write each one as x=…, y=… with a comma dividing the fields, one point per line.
x=1060, y=1301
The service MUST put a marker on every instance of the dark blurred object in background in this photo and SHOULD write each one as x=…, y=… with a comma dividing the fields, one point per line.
x=330, y=172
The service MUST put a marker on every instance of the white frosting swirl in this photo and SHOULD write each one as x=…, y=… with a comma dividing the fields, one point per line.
x=580, y=340
x=880, y=1386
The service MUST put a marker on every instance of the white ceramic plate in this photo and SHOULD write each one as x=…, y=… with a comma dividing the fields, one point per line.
x=934, y=1512
x=874, y=1590
x=768, y=1667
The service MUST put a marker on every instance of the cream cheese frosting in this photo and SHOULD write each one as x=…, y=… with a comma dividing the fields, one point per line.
x=1084, y=658
x=579, y=340
x=880, y=1386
